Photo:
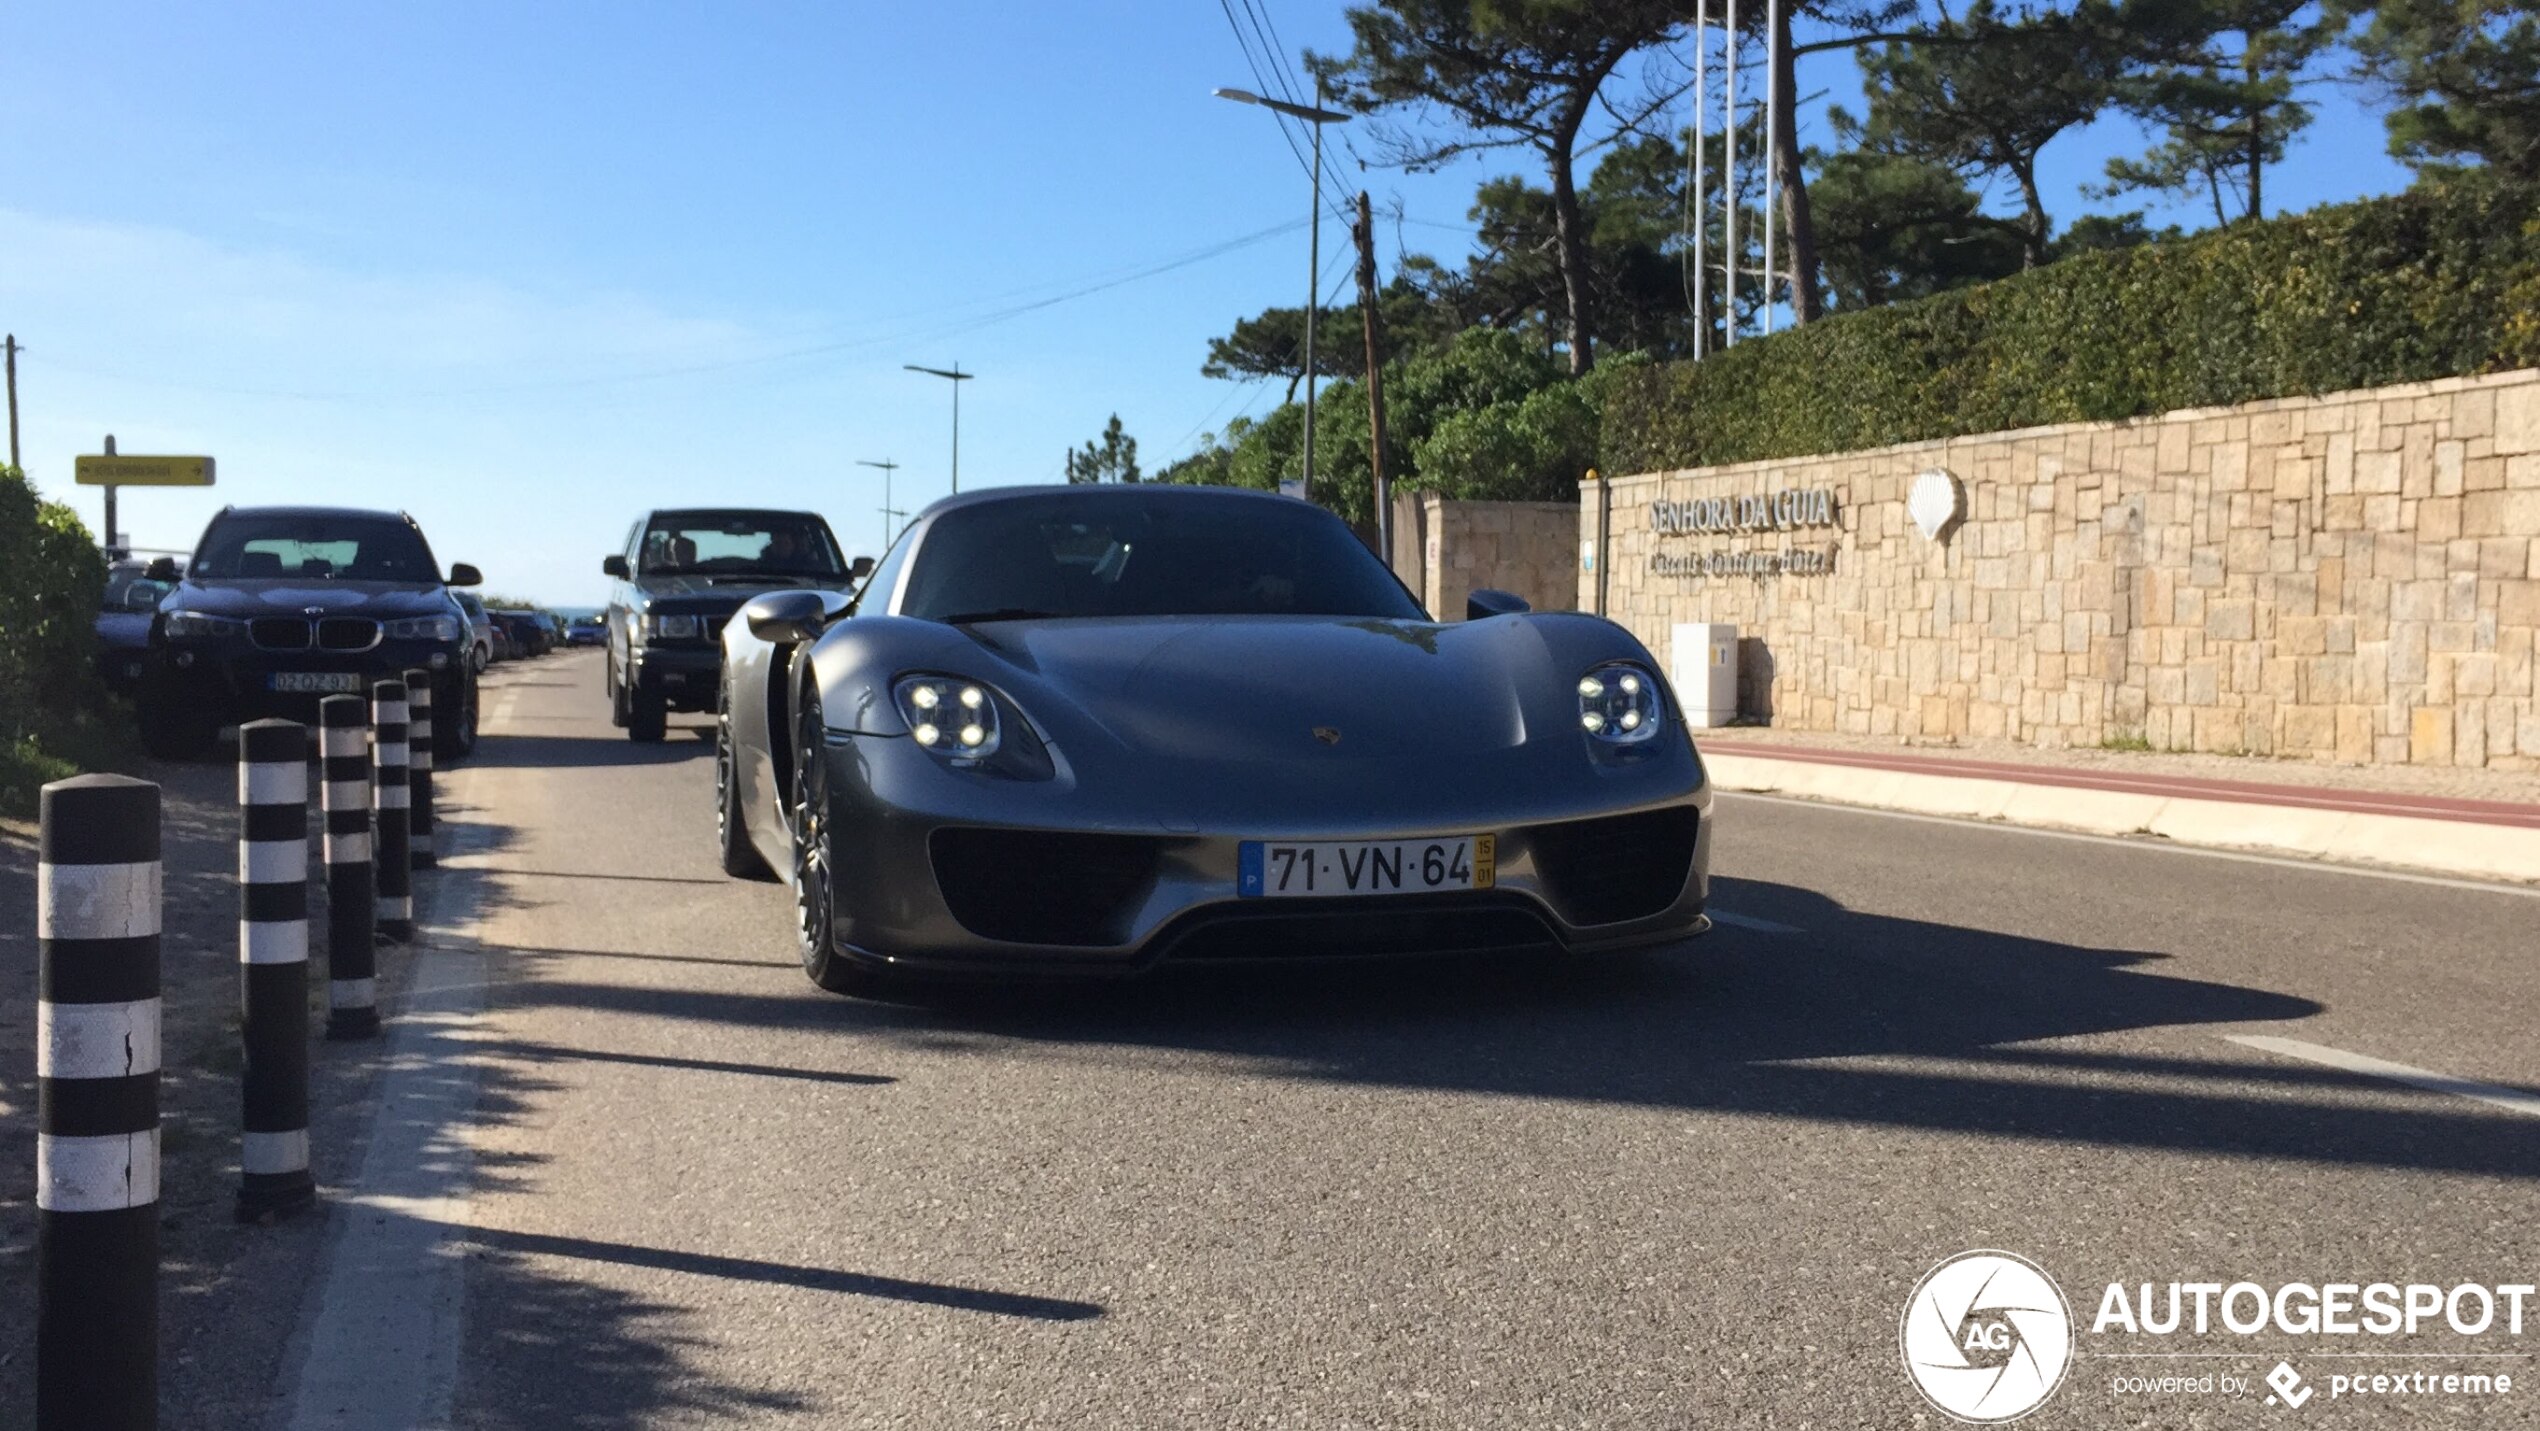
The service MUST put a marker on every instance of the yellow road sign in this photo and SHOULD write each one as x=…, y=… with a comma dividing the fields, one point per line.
x=144, y=471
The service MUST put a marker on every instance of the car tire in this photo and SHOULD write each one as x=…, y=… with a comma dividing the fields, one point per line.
x=647, y=717
x=814, y=884
x=455, y=739
x=741, y=859
x=172, y=727
x=617, y=697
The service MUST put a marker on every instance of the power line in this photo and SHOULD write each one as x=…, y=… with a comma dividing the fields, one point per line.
x=1274, y=80
x=964, y=325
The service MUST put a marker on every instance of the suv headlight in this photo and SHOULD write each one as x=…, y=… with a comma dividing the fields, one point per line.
x=424, y=628
x=187, y=625
x=953, y=717
x=674, y=628
x=1619, y=704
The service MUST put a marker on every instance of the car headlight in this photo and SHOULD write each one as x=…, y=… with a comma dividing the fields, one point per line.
x=185, y=625
x=1619, y=704
x=674, y=628
x=954, y=717
x=424, y=628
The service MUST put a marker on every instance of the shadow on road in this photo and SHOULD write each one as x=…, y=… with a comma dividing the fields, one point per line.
x=1864, y=1019
x=513, y=750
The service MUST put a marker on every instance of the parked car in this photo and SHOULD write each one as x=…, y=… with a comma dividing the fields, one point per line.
x=681, y=574
x=586, y=631
x=503, y=642
x=528, y=638
x=282, y=606
x=1081, y=730
x=123, y=623
x=480, y=629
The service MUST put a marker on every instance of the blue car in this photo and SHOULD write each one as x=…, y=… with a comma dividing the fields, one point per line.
x=123, y=623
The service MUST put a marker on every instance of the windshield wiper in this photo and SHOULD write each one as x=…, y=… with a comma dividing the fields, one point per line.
x=1002, y=613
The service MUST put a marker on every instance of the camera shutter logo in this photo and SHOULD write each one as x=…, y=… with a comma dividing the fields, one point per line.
x=1987, y=1336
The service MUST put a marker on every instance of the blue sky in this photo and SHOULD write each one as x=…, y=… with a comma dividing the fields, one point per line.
x=528, y=270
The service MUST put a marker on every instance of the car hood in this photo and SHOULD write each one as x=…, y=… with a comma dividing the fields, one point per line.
x=293, y=597
x=720, y=593
x=1276, y=688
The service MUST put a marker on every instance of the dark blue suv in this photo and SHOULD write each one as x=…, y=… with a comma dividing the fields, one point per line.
x=283, y=606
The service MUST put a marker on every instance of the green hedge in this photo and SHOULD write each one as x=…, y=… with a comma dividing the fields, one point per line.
x=2435, y=282
x=55, y=716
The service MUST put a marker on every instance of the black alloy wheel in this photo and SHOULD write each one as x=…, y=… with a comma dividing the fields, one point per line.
x=815, y=885
x=455, y=738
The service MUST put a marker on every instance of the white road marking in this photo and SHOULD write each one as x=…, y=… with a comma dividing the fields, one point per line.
x=378, y=1343
x=2243, y=857
x=1751, y=923
x=2510, y=1099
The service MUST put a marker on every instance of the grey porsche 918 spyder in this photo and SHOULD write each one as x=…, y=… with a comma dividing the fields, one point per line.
x=1082, y=730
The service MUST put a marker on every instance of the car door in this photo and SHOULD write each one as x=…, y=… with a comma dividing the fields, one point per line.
x=624, y=599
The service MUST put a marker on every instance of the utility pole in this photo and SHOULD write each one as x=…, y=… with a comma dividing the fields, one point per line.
x=1316, y=117
x=13, y=403
x=957, y=377
x=1365, y=232
x=887, y=469
x=110, y=503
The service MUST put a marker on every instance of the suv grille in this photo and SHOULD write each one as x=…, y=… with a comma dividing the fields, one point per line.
x=1617, y=867
x=277, y=633
x=1042, y=886
x=347, y=633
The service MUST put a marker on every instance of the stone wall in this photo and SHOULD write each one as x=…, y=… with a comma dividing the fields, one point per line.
x=2351, y=578
x=1530, y=548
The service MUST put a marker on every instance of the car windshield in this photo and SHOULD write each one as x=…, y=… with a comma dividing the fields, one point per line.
x=739, y=544
x=313, y=546
x=1140, y=554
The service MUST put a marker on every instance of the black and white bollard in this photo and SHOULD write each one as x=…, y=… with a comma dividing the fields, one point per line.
x=352, y=990
x=97, y=1106
x=424, y=852
x=390, y=794
x=273, y=968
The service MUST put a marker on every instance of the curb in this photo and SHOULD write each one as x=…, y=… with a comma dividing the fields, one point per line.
x=2453, y=847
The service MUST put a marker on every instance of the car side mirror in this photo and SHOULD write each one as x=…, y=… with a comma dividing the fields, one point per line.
x=461, y=574
x=786, y=618
x=162, y=569
x=1485, y=603
x=860, y=568
x=613, y=566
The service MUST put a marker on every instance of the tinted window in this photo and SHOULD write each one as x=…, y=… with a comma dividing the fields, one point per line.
x=313, y=547
x=1120, y=554
x=884, y=576
x=737, y=543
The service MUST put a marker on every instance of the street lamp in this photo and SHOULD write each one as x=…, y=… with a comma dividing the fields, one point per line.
x=887, y=469
x=1316, y=117
x=958, y=377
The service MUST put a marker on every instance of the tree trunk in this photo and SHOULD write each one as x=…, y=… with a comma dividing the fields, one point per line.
x=2257, y=122
x=2033, y=234
x=1568, y=229
x=1807, y=299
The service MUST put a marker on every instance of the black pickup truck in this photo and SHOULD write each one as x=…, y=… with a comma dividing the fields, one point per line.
x=680, y=576
x=284, y=606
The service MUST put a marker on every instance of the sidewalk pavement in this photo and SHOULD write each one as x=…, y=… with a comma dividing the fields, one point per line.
x=2476, y=839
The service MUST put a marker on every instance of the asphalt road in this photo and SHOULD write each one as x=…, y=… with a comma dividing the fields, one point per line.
x=1694, y=1188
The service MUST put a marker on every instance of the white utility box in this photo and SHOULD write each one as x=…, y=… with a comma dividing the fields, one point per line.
x=1704, y=669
